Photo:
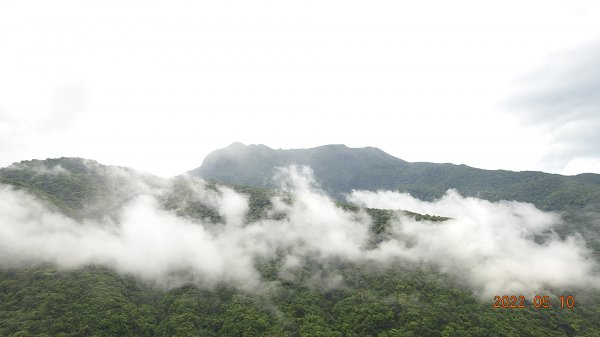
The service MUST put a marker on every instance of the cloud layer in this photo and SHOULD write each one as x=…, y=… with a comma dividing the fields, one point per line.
x=561, y=98
x=152, y=74
x=496, y=248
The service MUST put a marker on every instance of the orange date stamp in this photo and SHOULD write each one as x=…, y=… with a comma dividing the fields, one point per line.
x=539, y=302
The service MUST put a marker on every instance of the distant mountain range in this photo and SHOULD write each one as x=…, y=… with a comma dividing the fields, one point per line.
x=339, y=169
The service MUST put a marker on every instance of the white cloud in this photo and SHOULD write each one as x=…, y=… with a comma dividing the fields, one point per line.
x=560, y=101
x=157, y=85
x=492, y=247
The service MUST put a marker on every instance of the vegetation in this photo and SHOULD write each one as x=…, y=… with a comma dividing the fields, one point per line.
x=395, y=300
x=93, y=301
x=340, y=169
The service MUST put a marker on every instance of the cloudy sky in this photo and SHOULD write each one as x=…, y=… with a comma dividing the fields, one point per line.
x=157, y=85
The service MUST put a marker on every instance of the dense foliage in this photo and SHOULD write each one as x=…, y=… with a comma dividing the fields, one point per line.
x=43, y=301
x=340, y=169
x=323, y=298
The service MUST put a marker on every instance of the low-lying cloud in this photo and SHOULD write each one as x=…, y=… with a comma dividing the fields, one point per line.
x=496, y=248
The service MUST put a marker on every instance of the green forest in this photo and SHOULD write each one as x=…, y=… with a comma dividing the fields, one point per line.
x=369, y=300
x=44, y=301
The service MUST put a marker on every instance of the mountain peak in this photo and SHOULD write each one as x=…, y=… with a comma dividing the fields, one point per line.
x=236, y=145
x=340, y=169
x=256, y=164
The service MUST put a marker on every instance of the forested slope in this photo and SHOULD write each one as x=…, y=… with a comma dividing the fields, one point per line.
x=94, y=301
x=340, y=169
x=325, y=297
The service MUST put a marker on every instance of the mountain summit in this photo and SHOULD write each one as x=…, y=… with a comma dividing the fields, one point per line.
x=340, y=169
x=337, y=167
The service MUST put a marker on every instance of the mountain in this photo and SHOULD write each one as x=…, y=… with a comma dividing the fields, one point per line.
x=395, y=299
x=339, y=169
x=76, y=186
x=83, y=188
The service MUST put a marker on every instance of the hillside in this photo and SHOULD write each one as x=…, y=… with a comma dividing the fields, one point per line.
x=340, y=169
x=320, y=295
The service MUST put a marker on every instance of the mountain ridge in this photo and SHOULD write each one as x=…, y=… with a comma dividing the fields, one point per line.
x=398, y=299
x=340, y=169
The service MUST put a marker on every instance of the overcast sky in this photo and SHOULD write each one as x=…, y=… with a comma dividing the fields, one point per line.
x=157, y=85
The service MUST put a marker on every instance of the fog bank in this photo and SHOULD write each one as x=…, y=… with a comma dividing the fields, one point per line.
x=495, y=248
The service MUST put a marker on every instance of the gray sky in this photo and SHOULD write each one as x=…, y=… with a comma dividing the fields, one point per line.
x=156, y=85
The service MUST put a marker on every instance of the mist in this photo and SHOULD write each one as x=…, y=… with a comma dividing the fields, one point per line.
x=495, y=248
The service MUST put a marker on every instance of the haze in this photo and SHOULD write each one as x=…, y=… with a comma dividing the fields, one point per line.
x=157, y=85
